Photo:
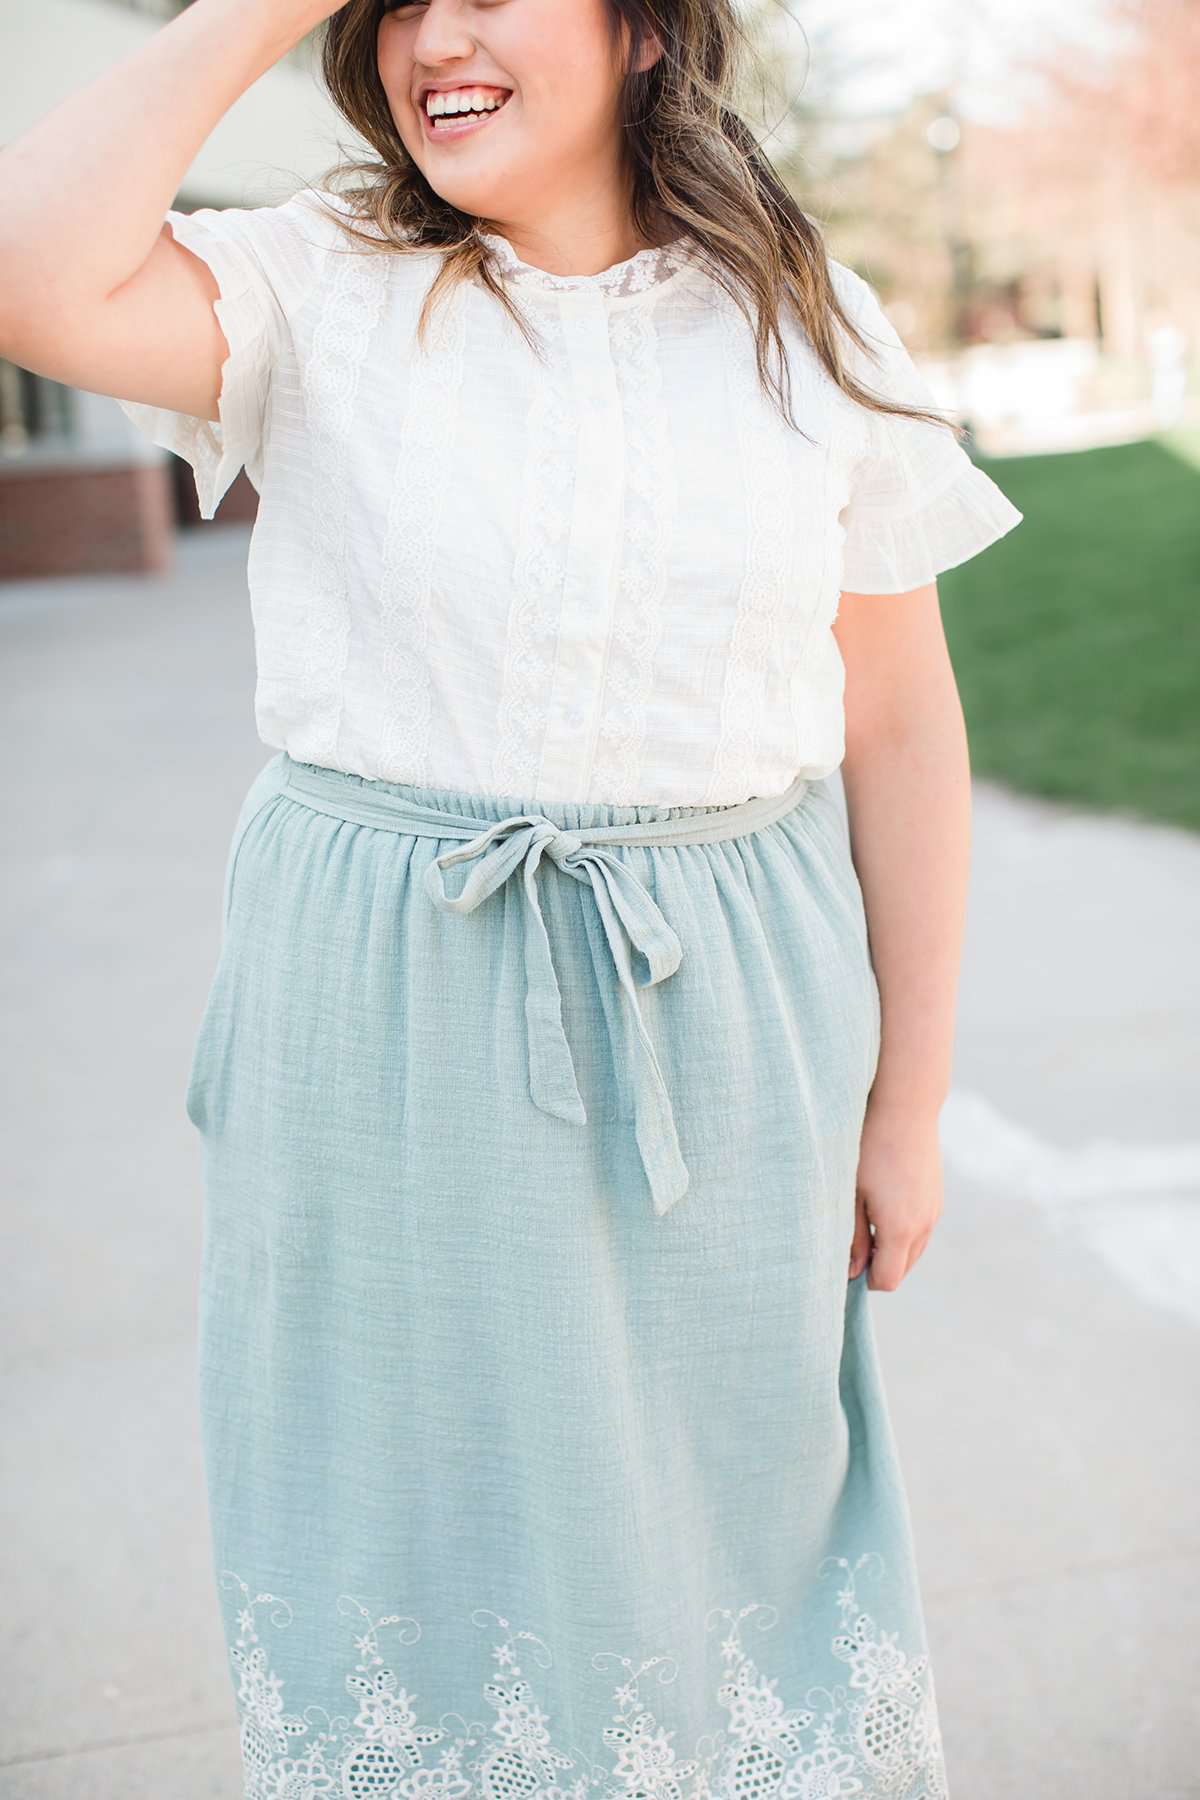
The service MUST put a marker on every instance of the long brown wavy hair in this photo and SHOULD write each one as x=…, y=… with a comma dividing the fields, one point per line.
x=695, y=169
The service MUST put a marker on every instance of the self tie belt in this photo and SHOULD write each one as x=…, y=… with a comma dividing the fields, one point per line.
x=630, y=915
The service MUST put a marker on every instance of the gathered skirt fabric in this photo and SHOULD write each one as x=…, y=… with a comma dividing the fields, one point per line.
x=530, y=1473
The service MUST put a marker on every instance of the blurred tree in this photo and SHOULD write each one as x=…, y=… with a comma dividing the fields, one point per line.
x=1107, y=167
x=1143, y=95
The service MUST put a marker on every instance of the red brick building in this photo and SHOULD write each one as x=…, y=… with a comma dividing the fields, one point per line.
x=81, y=490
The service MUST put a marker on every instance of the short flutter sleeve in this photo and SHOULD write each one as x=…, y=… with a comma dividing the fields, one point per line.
x=263, y=261
x=918, y=503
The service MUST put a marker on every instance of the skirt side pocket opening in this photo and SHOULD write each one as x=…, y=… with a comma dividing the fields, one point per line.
x=263, y=792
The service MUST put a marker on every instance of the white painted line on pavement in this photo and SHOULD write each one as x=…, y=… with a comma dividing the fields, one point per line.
x=1136, y=1205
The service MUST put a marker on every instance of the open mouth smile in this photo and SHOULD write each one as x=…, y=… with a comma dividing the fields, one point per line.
x=459, y=125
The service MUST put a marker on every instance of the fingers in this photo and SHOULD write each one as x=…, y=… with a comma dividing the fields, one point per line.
x=917, y=1249
x=860, y=1245
x=889, y=1265
x=891, y=1262
x=888, y=1260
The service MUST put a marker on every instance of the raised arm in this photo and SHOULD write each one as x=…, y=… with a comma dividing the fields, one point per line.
x=97, y=293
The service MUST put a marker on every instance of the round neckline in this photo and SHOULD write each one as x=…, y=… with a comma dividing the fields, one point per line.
x=644, y=271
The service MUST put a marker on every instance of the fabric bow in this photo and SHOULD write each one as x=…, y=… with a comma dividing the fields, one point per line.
x=631, y=917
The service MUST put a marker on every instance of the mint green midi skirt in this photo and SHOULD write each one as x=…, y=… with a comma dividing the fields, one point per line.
x=544, y=1434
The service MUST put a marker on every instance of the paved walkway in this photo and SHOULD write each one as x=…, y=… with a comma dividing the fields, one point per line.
x=1042, y=1360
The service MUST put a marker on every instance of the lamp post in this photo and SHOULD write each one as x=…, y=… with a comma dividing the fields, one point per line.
x=944, y=136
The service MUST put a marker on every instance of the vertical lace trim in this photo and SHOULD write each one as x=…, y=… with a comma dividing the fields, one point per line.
x=424, y=467
x=355, y=288
x=540, y=564
x=642, y=580
x=755, y=645
x=865, y=1724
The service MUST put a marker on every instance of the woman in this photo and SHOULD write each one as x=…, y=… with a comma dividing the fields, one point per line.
x=557, y=1109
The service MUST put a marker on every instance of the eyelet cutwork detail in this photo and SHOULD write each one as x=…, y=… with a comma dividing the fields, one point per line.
x=873, y=1736
x=644, y=269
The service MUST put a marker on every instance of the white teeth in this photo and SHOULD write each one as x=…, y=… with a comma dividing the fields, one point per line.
x=462, y=100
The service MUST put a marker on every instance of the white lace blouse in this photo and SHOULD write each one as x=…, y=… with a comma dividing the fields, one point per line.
x=609, y=575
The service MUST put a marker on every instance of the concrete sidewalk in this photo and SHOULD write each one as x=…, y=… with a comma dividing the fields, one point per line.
x=1042, y=1360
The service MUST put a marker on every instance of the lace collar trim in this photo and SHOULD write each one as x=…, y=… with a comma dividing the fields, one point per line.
x=645, y=269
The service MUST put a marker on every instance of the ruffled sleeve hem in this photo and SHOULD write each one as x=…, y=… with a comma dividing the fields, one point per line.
x=893, y=556
x=218, y=449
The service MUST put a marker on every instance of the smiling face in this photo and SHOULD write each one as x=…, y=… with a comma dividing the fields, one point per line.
x=553, y=151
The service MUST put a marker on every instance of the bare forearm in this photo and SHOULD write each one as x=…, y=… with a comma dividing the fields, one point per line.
x=908, y=800
x=84, y=191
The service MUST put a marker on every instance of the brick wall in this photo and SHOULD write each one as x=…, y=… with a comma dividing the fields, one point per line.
x=97, y=519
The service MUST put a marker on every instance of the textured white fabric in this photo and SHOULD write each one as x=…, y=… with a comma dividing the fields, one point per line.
x=607, y=574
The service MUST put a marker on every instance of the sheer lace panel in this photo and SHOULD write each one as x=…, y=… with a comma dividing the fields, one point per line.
x=644, y=269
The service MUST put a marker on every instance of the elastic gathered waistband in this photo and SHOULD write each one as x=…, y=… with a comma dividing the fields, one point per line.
x=512, y=840
x=445, y=812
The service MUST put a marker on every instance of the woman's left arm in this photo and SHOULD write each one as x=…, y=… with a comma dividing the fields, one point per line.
x=907, y=781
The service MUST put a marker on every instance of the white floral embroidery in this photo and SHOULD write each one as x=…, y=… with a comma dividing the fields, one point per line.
x=872, y=1738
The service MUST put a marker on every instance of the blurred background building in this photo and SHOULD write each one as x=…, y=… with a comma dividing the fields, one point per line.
x=81, y=490
x=1022, y=190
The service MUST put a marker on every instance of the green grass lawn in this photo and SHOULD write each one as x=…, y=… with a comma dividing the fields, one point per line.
x=1076, y=638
